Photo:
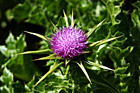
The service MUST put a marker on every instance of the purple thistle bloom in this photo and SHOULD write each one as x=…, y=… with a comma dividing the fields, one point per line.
x=69, y=42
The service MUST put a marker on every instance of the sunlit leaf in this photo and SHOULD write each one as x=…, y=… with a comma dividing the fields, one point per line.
x=37, y=51
x=72, y=19
x=113, y=10
x=52, y=56
x=7, y=76
x=84, y=70
x=103, y=41
x=94, y=28
x=38, y=35
x=66, y=19
x=98, y=65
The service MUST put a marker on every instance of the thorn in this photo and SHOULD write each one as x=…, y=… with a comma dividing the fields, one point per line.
x=66, y=19
x=54, y=26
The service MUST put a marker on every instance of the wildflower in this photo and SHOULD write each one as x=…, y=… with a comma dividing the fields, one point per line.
x=69, y=42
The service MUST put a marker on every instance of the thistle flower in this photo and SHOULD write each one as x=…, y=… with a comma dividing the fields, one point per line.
x=69, y=42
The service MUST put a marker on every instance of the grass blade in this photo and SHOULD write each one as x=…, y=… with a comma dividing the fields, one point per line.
x=56, y=65
x=94, y=28
x=84, y=71
x=37, y=51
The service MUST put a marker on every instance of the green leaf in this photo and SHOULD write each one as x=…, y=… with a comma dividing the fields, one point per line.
x=7, y=76
x=20, y=43
x=135, y=16
x=37, y=51
x=103, y=41
x=56, y=82
x=10, y=41
x=13, y=46
x=20, y=65
x=94, y=28
x=52, y=56
x=61, y=22
x=113, y=10
x=98, y=65
x=54, y=26
x=25, y=8
x=38, y=35
x=18, y=87
x=7, y=80
x=4, y=51
x=56, y=65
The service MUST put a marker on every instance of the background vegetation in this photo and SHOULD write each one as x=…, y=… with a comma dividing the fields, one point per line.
x=18, y=73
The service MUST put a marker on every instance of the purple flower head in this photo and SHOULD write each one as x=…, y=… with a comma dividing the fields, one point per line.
x=69, y=42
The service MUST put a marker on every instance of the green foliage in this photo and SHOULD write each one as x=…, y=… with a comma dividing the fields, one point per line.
x=112, y=64
x=7, y=80
x=20, y=65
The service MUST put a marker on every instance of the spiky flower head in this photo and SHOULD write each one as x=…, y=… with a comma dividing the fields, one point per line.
x=69, y=42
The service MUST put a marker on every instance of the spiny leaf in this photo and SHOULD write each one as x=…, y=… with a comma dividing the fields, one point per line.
x=72, y=20
x=52, y=56
x=94, y=28
x=84, y=70
x=66, y=19
x=37, y=51
x=94, y=43
x=56, y=65
x=54, y=26
x=98, y=65
x=38, y=35
x=103, y=41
